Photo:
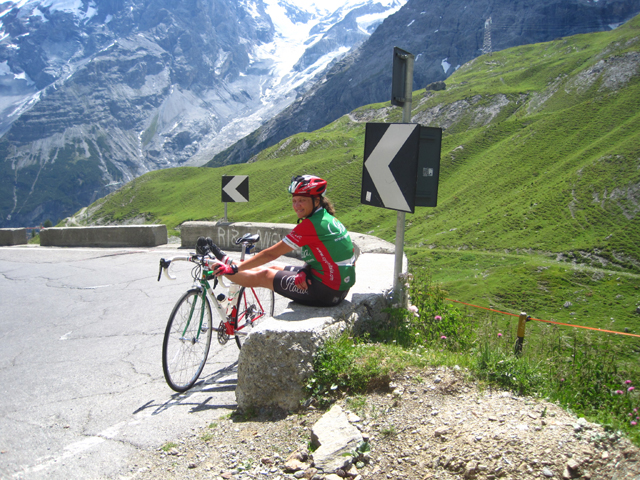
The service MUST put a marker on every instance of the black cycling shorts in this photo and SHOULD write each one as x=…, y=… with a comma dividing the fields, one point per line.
x=317, y=295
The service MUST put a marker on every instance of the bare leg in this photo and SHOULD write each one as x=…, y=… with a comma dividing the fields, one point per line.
x=256, y=277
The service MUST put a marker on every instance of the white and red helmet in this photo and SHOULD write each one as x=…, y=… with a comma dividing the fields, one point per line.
x=307, y=186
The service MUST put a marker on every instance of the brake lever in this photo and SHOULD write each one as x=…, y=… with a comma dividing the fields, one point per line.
x=163, y=264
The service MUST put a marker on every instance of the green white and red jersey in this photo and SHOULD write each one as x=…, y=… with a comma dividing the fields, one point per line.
x=326, y=248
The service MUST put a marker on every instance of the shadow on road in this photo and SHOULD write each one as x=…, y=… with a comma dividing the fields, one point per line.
x=217, y=382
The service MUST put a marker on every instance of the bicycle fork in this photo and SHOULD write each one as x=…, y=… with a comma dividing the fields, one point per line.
x=186, y=327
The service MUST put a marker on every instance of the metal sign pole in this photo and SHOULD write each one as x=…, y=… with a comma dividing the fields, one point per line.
x=400, y=219
x=225, y=212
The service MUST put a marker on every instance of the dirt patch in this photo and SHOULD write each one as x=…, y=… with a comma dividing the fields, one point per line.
x=433, y=425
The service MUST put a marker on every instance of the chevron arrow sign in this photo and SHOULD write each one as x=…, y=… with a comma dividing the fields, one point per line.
x=235, y=188
x=390, y=164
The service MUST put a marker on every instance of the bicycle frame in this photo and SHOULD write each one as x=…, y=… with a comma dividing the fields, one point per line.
x=232, y=325
x=246, y=311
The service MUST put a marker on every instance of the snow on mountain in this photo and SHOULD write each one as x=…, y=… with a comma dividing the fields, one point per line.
x=299, y=25
x=146, y=85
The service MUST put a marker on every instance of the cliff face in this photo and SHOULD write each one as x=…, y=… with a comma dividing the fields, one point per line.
x=95, y=95
x=443, y=35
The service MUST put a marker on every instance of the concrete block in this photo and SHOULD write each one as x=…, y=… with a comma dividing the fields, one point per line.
x=277, y=357
x=13, y=236
x=105, y=236
x=225, y=234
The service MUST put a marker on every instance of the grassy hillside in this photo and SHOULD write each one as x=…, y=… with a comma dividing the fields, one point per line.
x=539, y=198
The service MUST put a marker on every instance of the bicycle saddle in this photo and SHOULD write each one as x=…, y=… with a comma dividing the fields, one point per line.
x=248, y=238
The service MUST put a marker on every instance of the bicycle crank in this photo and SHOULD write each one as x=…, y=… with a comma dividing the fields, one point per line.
x=223, y=336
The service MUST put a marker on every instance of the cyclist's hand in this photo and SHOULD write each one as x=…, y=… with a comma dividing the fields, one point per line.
x=301, y=280
x=222, y=269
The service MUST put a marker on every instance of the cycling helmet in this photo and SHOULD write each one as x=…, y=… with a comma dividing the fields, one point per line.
x=307, y=186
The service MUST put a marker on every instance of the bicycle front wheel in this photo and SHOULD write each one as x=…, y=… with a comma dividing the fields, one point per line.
x=187, y=340
x=254, y=305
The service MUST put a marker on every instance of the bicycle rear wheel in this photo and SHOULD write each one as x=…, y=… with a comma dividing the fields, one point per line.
x=254, y=305
x=186, y=340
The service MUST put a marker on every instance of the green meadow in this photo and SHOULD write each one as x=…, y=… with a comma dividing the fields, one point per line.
x=539, y=194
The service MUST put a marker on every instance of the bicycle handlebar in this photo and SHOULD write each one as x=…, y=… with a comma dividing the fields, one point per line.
x=165, y=263
x=202, y=261
x=247, y=241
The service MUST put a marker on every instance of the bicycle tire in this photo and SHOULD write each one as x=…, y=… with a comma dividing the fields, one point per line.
x=184, y=349
x=253, y=306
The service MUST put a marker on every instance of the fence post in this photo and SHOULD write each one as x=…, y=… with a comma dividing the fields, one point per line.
x=522, y=322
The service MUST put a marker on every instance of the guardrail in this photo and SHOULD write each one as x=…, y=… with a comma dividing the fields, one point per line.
x=105, y=236
x=13, y=236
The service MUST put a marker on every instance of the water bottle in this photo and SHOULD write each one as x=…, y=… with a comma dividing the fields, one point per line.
x=233, y=291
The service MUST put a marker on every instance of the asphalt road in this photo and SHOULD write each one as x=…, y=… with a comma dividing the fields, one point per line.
x=80, y=361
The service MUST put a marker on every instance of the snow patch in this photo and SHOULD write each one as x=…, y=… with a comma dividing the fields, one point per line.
x=365, y=22
x=445, y=65
x=222, y=57
x=4, y=68
x=74, y=7
x=292, y=39
x=252, y=9
x=331, y=6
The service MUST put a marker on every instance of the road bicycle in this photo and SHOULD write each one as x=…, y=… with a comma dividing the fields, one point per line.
x=187, y=338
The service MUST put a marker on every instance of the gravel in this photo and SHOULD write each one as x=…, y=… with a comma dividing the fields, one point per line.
x=429, y=424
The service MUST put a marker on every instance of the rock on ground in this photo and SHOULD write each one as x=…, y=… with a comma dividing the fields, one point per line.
x=431, y=424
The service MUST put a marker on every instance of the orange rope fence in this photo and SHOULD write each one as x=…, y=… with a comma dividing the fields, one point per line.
x=547, y=321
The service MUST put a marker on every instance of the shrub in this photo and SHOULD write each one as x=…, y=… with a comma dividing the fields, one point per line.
x=429, y=319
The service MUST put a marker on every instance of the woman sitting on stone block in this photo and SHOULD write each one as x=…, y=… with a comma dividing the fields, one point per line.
x=329, y=271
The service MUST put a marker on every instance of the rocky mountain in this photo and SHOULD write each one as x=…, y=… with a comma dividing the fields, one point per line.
x=94, y=93
x=443, y=35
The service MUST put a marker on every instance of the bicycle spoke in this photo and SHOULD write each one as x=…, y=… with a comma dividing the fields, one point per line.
x=187, y=340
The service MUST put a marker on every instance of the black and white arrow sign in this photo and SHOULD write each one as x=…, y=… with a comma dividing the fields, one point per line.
x=390, y=162
x=235, y=188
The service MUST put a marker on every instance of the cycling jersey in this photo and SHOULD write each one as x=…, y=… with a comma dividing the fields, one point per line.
x=326, y=248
